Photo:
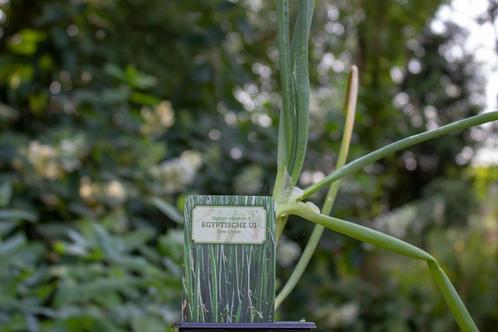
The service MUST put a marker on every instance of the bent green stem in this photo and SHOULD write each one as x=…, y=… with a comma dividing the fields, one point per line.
x=400, y=247
x=349, y=109
x=397, y=146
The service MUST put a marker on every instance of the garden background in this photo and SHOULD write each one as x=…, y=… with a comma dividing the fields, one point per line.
x=112, y=112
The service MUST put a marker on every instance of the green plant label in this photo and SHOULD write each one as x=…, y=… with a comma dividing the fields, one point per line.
x=229, y=259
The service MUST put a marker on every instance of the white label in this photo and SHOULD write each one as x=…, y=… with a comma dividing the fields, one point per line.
x=229, y=224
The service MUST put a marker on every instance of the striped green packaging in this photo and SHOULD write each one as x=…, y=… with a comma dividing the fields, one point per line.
x=229, y=259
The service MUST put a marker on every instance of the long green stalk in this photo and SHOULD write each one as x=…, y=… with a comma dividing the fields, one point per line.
x=349, y=110
x=286, y=133
x=400, y=247
x=397, y=146
x=300, y=82
x=293, y=127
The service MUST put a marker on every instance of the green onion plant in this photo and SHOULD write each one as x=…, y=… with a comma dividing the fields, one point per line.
x=292, y=142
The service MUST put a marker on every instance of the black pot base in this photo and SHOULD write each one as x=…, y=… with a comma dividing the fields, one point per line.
x=243, y=327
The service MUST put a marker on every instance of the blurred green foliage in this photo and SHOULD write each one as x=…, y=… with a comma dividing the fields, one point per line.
x=112, y=111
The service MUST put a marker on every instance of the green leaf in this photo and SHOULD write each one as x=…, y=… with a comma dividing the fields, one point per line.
x=397, y=146
x=12, y=244
x=7, y=226
x=26, y=41
x=17, y=215
x=168, y=209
